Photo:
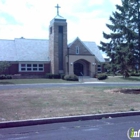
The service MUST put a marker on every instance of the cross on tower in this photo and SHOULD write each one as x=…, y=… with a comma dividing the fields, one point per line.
x=57, y=6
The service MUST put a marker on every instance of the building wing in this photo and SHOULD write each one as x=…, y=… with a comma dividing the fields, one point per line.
x=91, y=47
x=24, y=50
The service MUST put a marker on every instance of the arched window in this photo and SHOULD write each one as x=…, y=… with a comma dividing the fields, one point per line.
x=77, y=50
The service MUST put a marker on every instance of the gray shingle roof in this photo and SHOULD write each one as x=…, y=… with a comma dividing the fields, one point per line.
x=93, y=48
x=36, y=50
x=7, y=50
x=24, y=50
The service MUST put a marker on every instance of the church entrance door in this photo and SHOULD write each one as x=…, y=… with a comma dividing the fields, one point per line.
x=78, y=69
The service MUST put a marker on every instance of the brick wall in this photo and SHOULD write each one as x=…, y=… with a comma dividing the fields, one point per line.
x=13, y=69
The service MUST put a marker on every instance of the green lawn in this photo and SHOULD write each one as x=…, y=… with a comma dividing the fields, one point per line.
x=33, y=81
x=121, y=79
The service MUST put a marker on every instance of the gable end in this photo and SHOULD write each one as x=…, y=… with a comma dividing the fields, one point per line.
x=78, y=48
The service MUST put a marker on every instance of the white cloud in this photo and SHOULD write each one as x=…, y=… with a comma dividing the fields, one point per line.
x=3, y=21
x=33, y=16
x=95, y=2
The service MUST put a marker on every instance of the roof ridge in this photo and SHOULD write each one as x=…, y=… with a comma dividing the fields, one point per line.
x=31, y=39
x=6, y=40
x=89, y=41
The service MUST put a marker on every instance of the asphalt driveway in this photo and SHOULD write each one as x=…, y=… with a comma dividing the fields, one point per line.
x=103, y=129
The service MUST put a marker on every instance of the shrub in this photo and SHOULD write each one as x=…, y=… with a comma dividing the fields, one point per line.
x=71, y=78
x=102, y=76
x=49, y=75
x=135, y=74
x=8, y=77
x=56, y=76
x=2, y=77
x=62, y=76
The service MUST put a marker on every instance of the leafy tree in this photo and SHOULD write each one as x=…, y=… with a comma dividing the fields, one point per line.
x=123, y=46
x=3, y=66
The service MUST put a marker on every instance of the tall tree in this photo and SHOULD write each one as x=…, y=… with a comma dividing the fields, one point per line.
x=3, y=66
x=123, y=46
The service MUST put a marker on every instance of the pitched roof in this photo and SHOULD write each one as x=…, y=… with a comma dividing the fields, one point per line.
x=8, y=50
x=36, y=50
x=92, y=48
x=24, y=50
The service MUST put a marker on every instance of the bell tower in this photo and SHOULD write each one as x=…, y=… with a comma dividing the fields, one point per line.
x=58, y=43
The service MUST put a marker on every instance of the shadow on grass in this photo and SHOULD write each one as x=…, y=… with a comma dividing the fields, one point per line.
x=131, y=79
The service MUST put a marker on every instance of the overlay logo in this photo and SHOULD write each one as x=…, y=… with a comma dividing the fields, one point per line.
x=131, y=133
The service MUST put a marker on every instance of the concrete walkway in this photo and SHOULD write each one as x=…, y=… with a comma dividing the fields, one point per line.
x=87, y=79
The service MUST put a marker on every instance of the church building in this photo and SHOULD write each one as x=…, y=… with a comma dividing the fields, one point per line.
x=56, y=56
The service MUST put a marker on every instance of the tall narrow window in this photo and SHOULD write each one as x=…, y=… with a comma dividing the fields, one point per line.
x=50, y=30
x=60, y=46
x=60, y=29
x=99, y=69
x=77, y=50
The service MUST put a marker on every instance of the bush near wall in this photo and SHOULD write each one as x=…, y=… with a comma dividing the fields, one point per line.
x=9, y=77
x=135, y=74
x=56, y=76
x=62, y=76
x=102, y=76
x=5, y=77
x=71, y=78
x=53, y=76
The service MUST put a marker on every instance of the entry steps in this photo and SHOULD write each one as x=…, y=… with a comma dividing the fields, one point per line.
x=86, y=79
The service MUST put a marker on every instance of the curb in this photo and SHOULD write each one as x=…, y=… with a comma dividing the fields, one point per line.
x=30, y=122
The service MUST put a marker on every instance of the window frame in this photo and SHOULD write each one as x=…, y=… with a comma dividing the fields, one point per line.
x=99, y=68
x=31, y=67
x=77, y=49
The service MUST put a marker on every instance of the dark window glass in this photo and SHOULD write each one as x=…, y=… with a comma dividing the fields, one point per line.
x=28, y=65
x=23, y=69
x=60, y=29
x=34, y=69
x=34, y=65
x=29, y=69
x=77, y=50
x=50, y=30
x=23, y=65
x=40, y=65
x=40, y=69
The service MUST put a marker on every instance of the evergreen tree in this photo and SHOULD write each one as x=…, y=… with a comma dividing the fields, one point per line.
x=123, y=46
x=3, y=66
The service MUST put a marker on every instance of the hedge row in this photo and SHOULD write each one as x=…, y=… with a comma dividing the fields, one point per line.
x=135, y=74
x=53, y=76
x=62, y=76
x=102, y=76
x=5, y=77
x=71, y=78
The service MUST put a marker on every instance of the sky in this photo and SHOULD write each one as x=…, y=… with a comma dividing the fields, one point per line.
x=31, y=18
